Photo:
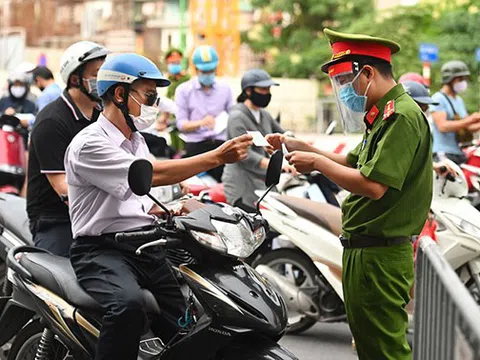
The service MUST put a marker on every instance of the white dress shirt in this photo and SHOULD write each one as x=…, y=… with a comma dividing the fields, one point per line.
x=96, y=165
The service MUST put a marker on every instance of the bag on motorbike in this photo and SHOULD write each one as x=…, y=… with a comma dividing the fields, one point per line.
x=462, y=135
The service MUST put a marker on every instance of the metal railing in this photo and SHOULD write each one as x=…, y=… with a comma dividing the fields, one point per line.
x=447, y=318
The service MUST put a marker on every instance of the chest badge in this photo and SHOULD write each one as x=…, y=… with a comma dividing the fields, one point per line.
x=389, y=109
x=372, y=115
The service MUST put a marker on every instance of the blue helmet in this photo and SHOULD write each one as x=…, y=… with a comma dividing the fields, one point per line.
x=126, y=68
x=205, y=58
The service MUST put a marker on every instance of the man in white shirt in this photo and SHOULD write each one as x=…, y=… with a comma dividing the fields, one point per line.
x=101, y=204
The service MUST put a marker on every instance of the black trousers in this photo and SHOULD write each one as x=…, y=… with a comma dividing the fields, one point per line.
x=53, y=234
x=114, y=276
x=193, y=149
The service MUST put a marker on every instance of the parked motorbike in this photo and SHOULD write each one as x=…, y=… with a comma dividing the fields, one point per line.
x=458, y=231
x=12, y=155
x=471, y=170
x=307, y=268
x=233, y=312
x=14, y=231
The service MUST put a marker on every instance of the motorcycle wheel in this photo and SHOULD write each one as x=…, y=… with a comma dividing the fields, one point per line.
x=299, y=269
x=25, y=345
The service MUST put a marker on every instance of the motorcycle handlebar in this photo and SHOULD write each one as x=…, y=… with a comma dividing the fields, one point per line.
x=146, y=235
x=449, y=176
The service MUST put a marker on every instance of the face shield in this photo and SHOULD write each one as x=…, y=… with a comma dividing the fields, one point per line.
x=351, y=105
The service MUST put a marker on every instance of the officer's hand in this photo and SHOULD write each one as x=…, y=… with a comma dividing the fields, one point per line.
x=208, y=122
x=292, y=144
x=304, y=162
x=10, y=111
x=289, y=169
x=234, y=150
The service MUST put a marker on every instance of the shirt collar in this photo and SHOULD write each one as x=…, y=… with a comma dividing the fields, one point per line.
x=77, y=114
x=198, y=86
x=377, y=110
x=115, y=134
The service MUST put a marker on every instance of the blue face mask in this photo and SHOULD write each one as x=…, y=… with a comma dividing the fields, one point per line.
x=351, y=99
x=206, y=79
x=174, y=69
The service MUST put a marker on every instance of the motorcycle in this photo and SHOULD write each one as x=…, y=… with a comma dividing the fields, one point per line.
x=457, y=231
x=471, y=169
x=307, y=271
x=12, y=155
x=14, y=231
x=233, y=312
x=307, y=268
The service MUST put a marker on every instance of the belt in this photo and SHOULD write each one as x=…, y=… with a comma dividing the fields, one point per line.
x=363, y=241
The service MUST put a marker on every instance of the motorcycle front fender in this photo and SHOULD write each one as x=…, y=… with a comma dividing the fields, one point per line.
x=259, y=349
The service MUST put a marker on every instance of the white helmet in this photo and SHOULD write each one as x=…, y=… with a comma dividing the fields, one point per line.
x=18, y=76
x=77, y=55
x=444, y=188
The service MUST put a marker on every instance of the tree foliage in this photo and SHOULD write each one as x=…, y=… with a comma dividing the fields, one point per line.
x=300, y=48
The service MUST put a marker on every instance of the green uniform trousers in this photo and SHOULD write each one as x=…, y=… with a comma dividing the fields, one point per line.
x=376, y=286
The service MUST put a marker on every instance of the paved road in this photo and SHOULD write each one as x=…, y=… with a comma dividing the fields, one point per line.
x=322, y=342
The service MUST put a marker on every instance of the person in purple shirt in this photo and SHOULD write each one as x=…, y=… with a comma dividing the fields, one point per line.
x=202, y=107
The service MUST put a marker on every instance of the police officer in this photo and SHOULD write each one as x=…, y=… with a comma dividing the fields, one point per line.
x=389, y=175
x=54, y=129
x=101, y=204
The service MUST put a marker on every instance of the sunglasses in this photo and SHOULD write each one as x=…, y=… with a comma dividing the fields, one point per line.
x=152, y=98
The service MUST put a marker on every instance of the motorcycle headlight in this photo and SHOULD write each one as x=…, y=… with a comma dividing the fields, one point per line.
x=211, y=240
x=463, y=225
x=233, y=239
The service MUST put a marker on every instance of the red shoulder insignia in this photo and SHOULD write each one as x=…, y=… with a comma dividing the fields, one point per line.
x=372, y=115
x=389, y=109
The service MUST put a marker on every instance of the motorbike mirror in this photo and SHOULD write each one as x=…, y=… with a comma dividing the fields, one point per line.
x=10, y=120
x=273, y=175
x=140, y=177
x=274, y=169
x=331, y=127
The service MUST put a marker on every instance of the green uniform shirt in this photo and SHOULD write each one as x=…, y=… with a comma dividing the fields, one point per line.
x=396, y=152
x=174, y=84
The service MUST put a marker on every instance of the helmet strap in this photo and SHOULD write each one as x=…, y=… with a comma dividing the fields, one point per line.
x=123, y=106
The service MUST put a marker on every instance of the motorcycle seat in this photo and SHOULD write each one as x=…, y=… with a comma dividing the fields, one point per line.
x=325, y=215
x=56, y=274
x=13, y=216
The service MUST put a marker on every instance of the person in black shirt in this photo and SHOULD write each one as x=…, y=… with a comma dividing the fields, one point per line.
x=55, y=127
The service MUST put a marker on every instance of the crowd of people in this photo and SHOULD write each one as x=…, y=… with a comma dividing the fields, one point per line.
x=82, y=139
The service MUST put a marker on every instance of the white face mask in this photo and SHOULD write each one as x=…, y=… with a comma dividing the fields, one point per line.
x=147, y=117
x=460, y=87
x=18, y=91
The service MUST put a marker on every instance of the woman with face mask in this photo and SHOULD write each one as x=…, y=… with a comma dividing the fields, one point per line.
x=451, y=122
x=16, y=101
x=243, y=178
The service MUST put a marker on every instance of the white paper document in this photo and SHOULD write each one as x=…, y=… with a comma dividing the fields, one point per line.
x=258, y=139
x=221, y=122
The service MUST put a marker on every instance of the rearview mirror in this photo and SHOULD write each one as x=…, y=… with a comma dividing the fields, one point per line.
x=140, y=177
x=11, y=120
x=274, y=169
x=331, y=127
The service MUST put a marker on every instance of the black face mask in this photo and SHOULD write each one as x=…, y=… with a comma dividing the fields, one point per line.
x=260, y=100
